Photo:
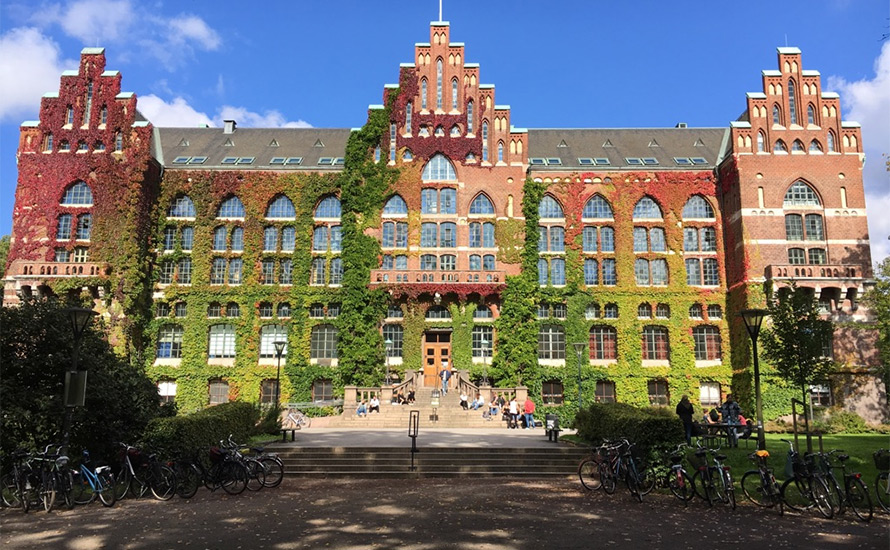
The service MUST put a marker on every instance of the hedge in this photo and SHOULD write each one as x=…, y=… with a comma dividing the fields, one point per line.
x=188, y=434
x=647, y=428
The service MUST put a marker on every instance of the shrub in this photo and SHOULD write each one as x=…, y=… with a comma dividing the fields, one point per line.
x=841, y=421
x=188, y=434
x=270, y=420
x=648, y=428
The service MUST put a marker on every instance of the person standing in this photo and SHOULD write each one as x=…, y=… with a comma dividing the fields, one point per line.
x=513, y=407
x=446, y=376
x=685, y=412
x=529, y=410
x=731, y=412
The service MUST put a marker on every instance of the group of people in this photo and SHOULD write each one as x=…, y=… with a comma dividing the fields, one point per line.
x=729, y=416
x=365, y=407
x=513, y=412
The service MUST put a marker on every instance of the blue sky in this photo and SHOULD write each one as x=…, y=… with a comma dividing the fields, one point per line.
x=571, y=63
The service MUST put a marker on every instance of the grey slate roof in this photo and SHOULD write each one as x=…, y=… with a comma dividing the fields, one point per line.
x=310, y=144
x=571, y=144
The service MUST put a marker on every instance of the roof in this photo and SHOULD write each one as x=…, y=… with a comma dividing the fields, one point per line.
x=618, y=144
x=261, y=144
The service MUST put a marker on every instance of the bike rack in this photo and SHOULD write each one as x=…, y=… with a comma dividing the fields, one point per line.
x=413, y=424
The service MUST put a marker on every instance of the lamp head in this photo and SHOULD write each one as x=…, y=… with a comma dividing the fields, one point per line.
x=279, y=347
x=753, y=320
x=79, y=318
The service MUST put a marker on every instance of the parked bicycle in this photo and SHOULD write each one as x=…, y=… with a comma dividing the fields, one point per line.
x=140, y=472
x=805, y=487
x=622, y=464
x=882, y=482
x=852, y=492
x=295, y=419
x=677, y=478
x=50, y=475
x=273, y=467
x=89, y=483
x=590, y=469
x=760, y=485
x=18, y=490
x=713, y=482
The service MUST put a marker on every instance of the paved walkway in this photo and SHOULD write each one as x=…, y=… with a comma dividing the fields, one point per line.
x=426, y=437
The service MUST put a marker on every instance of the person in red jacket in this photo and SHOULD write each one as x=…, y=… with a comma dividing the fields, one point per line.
x=529, y=409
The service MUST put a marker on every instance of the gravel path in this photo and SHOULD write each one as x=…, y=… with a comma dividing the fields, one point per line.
x=487, y=514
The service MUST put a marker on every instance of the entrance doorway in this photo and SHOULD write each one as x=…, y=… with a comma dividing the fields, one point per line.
x=436, y=356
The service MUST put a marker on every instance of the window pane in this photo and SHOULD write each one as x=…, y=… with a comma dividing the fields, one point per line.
x=793, y=227
x=609, y=275
x=222, y=341
x=813, y=228
x=693, y=272
x=641, y=272
x=607, y=239
x=329, y=207
x=796, y=256
x=448, y=198
x=557, y=271
x=646, y=208
x=549, y=208
x=237, y=239
x=270, y=334
x=270, y=239
x=641, y=239
x=591, y=272
x=589, y=239
x=690, y=239
x=481, y=205
x=288, y=239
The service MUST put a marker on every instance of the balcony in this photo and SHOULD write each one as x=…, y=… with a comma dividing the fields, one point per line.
x=58, y=269
x=816, y=272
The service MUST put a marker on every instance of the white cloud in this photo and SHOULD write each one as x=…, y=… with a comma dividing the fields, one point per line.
x=29, y=67
x=175, y=114
x=867, y=101
x=268, y=119
x=125, y=25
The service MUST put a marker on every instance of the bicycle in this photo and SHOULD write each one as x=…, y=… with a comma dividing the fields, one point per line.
x=882, y=482
x=677, y=479
x=590, y=469
x=760, y=485
x=256, y=471
x=17, y=488
x=89, y=483
x=295, y=419
x=805, y=487
x=224, y=471
x=139, y=472
x=854, y=492
x=51, y=477
x=273, y=467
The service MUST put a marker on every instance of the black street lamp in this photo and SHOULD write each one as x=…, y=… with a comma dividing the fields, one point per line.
x=75, y=383
x=484, y=344
x=388, y=344
x=279, y=351
x=579, y=350
x=753, y=320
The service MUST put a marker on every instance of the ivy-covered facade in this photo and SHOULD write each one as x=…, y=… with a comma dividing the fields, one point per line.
x=610, y=262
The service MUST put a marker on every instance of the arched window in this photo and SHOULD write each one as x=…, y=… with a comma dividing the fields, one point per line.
x=329, y=207
x=647, y=208
x=408, y=118
x=549, y=208
x=437, y=313
x=698, y=207
x=423, y=94
x=48, y=143
x=80, y=194
x=780, y=147
x=801, y=194
x=182, y=207
x=231, y=208
x=760, y=142
x=811, y=114
x=281, y=208
x=118, y=141
x=469, y=117
x=831, y=142
x=792, y=104
x=603, y=343
x=500, y=151
x=656, y=345
x=797, y=146
x=439, y=168
x=815, y=147
x=454, y=93
x=777, y=115
x=439, y=83
x=485, y=141
x=395, y=205
x=597, y=208
x=481, y=205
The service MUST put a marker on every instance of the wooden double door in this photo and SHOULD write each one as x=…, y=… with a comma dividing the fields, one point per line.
x=436, y=356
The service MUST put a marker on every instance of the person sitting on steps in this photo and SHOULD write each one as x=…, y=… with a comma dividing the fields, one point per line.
x=374, y=405
x=463, y=400
x=362, y=409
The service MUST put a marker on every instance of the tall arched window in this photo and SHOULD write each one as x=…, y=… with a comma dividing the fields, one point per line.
x=80, y=194
x=454, y=93
x=281, y=208
x=408, y=118
x=470, y=117
x=811, y=114
x=830, y=142
x=500, y=151
x=439, y=168
x=647, y=208
x=777, y=115
x=423, y=94
x=760, y=142
x=792, y=104
x=231, y=208
x=439, y=83
x=485, y=140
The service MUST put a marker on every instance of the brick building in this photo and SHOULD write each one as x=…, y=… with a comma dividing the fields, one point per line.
x=441, y=236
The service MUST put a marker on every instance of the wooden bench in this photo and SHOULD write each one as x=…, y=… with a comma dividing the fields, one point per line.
x=284, y=432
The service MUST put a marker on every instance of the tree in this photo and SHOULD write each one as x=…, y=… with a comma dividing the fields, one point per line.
x=4, y=253
x=795, y=339
x=878, y=300
x=36, y=343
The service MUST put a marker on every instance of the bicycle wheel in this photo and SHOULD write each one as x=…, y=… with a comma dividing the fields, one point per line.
x=256, y=475
x=702, y=479
x=822, y=497
x=303, y=422
x=882, y=490
x=65, y=485
x=858, y=499
x=233, y=477
x=26, y=491
x=647, y=480
x=188, y=478
x=105, y=488
x=838, y=497
x=162, y=482
x=795, y=494
x=10, y=491
x=122, y=480
x=607, y=478
x=589, y=472
x=728, y=490
x=633, y=485
x=680, y=485
x=48, y=491
x=274, y=471
x=754, y=488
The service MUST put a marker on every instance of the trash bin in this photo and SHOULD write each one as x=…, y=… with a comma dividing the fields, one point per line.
x=551, y=426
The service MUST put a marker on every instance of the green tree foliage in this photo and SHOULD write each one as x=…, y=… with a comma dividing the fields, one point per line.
x=36, y=344
x=878, y=300
x=793, y=343
x=4, y=253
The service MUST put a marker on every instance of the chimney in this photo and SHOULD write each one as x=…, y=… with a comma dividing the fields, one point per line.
x=229, y=127
x=680, y=125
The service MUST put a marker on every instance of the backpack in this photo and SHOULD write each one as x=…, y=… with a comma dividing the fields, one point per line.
x=714, y=416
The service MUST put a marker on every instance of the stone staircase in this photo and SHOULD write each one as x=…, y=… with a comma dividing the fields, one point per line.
x=450, y=414
x=391, y=462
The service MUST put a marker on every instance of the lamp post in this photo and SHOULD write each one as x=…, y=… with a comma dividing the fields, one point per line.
x=388, y=344
x=753, y=320
x=484, y=343
x=75, y=383
x=279, y=351
x=579, y=350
